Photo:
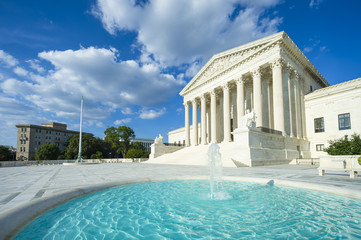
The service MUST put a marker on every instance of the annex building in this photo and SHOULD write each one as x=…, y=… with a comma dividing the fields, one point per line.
x=31, y=137
x=264, y=103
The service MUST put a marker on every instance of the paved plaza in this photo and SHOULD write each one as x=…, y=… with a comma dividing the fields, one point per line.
x=19, y=185
x=26, y=187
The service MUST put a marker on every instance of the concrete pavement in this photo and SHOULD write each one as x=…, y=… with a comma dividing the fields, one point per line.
x=28, y=191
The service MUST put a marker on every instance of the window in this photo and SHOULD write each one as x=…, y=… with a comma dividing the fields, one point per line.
x=24, y=149
x=320, y=147
x=344, y=121
x=21, y=149
x=319, y=126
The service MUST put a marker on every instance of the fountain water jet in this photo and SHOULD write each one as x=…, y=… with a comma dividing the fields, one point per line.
x=215, y=173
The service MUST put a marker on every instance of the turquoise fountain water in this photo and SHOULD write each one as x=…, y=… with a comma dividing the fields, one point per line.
x=190, y=209
x=183, y=210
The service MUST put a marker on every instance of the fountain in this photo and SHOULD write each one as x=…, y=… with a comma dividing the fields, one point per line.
x=215, y=173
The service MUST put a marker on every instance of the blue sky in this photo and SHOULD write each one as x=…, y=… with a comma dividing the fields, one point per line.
x=130, y=59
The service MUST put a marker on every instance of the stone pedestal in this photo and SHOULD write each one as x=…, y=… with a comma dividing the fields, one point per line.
x=254, y=147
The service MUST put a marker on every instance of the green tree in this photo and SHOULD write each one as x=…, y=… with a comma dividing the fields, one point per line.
x=89, y=145
x=345, y=146
x=119, y=138
x=134, y=153
x=97, y=155
x=5, y=154
x=47, y=151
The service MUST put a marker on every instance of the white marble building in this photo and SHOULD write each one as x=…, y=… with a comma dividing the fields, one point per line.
x=332, y=113
x=251, y=100
x=270, y=77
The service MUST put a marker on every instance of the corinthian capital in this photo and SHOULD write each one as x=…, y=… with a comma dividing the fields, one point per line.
x=279, y=62
x=240, y=80
x=226, y=86
x=256, y=72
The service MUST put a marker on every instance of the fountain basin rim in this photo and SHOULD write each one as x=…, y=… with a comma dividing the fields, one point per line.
x=14, y=219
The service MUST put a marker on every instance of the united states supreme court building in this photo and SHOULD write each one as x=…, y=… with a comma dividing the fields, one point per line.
x=263, y=103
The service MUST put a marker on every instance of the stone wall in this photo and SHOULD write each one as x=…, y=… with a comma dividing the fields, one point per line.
x=159, y=149
x=340, y=161
x=54, y=162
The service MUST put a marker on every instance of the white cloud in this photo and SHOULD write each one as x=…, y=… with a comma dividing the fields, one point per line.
x=151, y=114
x=314, y=43
x=107, y=84
x=9, y=60
x=307, y=49
x=122, y=121
x=315, y=3
x=34, y=64
x=176, y=32
x=13, y=112
x=20, y=71
x=127, y=111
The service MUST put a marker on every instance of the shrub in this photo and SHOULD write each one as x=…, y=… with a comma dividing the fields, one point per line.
x=134, y=153
x=345, y=146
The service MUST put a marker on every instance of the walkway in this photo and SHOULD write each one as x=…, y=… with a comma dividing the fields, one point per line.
x=24, y=186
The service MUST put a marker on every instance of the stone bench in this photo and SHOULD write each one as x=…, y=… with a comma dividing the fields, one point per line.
x=352, y=172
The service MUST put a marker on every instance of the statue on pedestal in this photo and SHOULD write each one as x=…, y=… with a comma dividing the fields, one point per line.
x=159, y=139
x=249, y=119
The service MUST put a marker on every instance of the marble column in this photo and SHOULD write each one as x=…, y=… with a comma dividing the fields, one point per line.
x=289, y=83
x=270, y=105
x=195, y=122
x=186, y=122
x=297, y=104
x=203, y=120
x=213, y=116
x=266, y=102
x=226, y=114
x=257, y=96
x=303, y=114
x=278, y=104
x=240, y=101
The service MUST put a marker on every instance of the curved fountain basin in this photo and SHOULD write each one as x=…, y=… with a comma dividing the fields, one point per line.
x=203, y=198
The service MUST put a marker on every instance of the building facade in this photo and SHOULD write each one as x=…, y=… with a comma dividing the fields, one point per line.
x=146, y=142
x=252, y=96
x=31, y=137
x=333, y=113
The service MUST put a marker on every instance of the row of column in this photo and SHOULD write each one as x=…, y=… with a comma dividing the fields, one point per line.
x=275, y=105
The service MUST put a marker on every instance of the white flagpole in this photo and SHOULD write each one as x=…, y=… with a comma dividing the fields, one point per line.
x=80, y=135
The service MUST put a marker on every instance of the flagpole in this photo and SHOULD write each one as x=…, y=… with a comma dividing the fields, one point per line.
x=80, y=135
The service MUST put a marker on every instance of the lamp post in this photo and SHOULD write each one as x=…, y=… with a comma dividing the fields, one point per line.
x=81, y=121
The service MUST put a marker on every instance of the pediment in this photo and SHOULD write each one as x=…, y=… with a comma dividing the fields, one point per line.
x=223, y=61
